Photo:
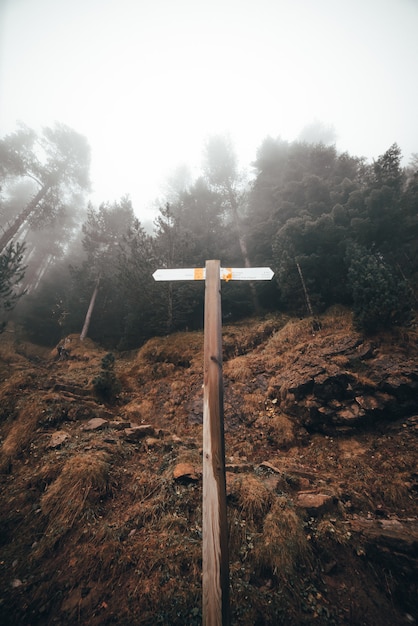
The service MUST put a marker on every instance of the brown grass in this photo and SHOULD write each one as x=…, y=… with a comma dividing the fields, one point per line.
x=249, y=335
x=253, y=498
x=73, y=496
x=297, y=335
x=282, y=546
x=160, y=357
x=137, y=554
x=290, y=337
x=238, y=369
x=280, y=430
x=19, y=437
x=180, y=349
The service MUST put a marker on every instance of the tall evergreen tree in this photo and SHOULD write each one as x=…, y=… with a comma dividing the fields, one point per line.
x=144, y=308
x=175, y=246
x=381, y=299
x=102, y=235
x=56, y=162
x=11, y=274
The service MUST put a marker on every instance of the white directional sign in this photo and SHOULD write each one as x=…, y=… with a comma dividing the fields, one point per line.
x=226, y=273
x=246, y=273
x=197, y=273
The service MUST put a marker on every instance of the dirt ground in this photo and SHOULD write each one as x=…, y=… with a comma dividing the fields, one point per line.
x=101, y=478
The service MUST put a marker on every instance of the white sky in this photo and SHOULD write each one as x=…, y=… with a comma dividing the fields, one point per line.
x=146, y=81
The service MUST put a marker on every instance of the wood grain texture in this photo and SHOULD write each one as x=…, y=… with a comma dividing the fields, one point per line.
x=215, y=529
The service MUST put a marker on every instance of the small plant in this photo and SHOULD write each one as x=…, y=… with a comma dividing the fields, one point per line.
x=106, y=384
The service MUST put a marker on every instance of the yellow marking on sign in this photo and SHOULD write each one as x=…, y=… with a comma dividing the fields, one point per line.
x=199, y=273
x=227, y=275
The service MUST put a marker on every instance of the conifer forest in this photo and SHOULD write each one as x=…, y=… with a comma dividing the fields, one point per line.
x=334, y=228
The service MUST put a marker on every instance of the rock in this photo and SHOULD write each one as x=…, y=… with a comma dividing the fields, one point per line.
x=412, y=422
x=16, y=583
x=270, y=466
x=368, y=403
x=351, y=414
x=327, y=392
x=74, y=390
x=195, y=411
x=97, y=423
x=119, y=425
x=391, y=542
x=400, y=535
x=300, y=472
x=185, y=472
x=152, y=442
x=238, y=468
x=136, y=433
x=57, y=439
x=315, y=503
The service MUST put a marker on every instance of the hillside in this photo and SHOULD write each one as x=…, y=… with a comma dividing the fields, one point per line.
x=100, y=519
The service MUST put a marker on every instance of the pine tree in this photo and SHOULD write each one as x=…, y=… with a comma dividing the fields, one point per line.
x=11, y=274
x=380, y=298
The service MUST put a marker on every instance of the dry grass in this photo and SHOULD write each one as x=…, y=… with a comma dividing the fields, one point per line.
x=249, y=335
x=392, y=493
x=253, y=498
x=73, y=496
x=144, y=411
x=282, y=547
x=297, y=335
x=137, y=554
x=288, y=338
x=280, y=430
x=161, y=357
x=14, y=351
x=8, y=355
x=331, y=531
x=19, y=437
x=180, y=349
x=339, y=318
x=250, y=406
x=47, y=473
x=84, y=351
x=238, y=369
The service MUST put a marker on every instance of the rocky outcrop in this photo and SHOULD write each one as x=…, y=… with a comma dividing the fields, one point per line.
x=337, y=385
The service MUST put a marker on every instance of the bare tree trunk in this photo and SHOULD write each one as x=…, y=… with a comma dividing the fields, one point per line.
x=170, y=309
x=11, y=231
x=305, y=291
x=90, y=311
x=316, y=324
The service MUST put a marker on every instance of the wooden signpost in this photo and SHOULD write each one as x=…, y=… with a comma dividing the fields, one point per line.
x=215, y=563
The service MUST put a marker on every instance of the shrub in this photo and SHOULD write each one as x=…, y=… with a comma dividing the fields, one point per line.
x=380, y=299
x=106, y=384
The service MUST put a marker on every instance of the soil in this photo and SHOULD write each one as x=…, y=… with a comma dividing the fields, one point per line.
x=101, y=477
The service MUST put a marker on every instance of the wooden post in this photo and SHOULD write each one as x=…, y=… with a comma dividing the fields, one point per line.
x=215, y=563
x=214, y=524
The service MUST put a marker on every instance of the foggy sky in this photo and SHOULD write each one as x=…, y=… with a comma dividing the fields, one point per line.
x=148, y=80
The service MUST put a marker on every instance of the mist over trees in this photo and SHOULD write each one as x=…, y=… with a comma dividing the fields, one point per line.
x=332, y=226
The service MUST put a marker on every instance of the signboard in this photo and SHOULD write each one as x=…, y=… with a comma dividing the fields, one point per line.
x=226, y=273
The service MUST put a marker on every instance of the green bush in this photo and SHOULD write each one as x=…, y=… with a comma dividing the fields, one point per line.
x=106, y=384
x=380, y=299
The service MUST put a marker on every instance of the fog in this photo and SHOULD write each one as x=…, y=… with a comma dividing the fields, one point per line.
x=147, y=81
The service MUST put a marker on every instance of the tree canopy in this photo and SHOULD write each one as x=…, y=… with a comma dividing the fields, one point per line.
x=334, y=228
